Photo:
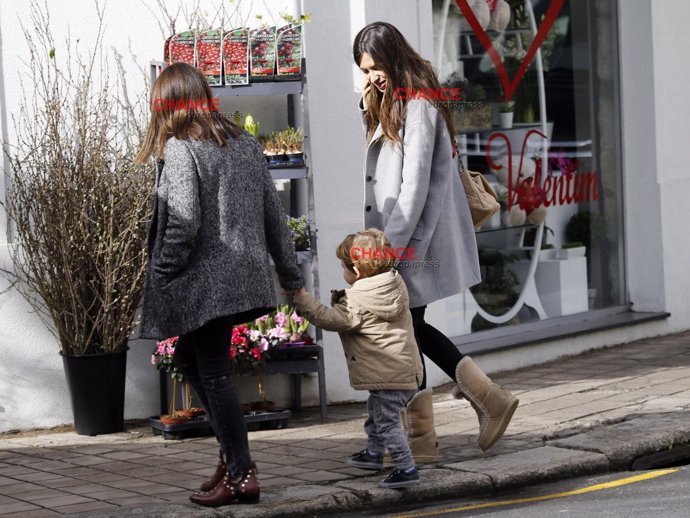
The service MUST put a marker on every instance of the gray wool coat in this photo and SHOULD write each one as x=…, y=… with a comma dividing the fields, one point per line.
x=217, y=218
x=415, y=196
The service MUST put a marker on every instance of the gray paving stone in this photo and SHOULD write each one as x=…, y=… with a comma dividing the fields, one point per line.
x=57, y=501
x=86, y=507
x=623, y=443
x=535, y=465
x=17, y=507
x=38, y=513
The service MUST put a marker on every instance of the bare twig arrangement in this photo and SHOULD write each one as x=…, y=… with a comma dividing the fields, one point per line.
x=78, y=202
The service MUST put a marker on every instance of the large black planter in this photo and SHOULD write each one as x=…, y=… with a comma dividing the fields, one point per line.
x=97, y=389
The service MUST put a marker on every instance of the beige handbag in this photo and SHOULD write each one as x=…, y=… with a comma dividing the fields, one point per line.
x=481, y=197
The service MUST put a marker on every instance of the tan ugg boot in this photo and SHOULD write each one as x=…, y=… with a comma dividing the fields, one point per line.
x=418, y=422
x=494, y=404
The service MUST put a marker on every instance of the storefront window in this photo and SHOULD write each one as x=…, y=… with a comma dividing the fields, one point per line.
x=547, y=138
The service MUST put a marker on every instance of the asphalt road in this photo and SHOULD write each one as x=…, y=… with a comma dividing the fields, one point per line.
x=654, y=493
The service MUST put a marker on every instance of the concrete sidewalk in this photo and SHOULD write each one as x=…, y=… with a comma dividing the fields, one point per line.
x=592, y=413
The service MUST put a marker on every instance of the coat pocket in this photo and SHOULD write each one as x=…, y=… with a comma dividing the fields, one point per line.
x=418, y=233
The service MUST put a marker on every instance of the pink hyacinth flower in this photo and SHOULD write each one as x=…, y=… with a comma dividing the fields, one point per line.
x=281, y=319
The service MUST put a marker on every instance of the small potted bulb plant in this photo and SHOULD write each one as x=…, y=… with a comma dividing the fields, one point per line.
x=505, y=114
x=295, y=139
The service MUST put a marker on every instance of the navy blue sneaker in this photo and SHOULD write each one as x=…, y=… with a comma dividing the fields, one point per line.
x=400, y=478
x=366, y=460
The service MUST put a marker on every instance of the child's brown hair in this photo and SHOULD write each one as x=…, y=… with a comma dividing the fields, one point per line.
x=368, y=251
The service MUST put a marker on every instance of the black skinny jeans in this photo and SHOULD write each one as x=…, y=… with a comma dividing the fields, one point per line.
x=434, y=344
x=203, y=356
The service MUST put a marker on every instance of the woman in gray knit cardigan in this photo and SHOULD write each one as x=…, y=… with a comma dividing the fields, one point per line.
x=216, y=219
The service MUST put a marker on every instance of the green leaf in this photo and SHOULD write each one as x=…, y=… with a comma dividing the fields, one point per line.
x=51, y=54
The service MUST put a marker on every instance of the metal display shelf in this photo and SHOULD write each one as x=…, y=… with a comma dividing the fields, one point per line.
x=277, y=87
x=288, y=173
x=200, y=425
x=294, y=361
x=256, y=89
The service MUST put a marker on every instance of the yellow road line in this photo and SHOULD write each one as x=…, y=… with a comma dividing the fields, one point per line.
x=588, y=489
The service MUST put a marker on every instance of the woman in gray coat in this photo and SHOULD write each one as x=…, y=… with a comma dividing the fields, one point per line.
x=414, y=194
x=216, y=219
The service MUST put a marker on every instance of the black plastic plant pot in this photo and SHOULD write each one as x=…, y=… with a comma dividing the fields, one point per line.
x=96, y=385
x=301, y=247
x=296, y=158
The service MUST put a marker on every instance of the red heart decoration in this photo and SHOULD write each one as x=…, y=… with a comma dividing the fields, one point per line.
x=509, y=86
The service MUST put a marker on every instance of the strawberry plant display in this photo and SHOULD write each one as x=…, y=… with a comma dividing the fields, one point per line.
x=236, y=56
x=209, y=55
x=166, y=50
x=289, y=49
x=182, y=48
x=262, y=43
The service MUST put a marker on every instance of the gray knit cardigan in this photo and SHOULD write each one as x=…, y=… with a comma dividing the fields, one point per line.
x=217, y=218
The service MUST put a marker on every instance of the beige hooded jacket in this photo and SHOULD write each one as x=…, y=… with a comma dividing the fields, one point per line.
x=375, y=327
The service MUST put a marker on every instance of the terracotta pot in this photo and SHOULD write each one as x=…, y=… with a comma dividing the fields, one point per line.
x=191, y=412
x=173, y=419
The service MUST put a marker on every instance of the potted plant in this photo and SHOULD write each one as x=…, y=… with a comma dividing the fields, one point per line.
x=586, y=228
x=80, y=208
x=505, y=114
x=275, y=149
x=295, y=139
x=250, y=126
x=162, y=358
x=478, y=114
x=249, y=348
x=497, y=290
x=300, y=228
x=571, y=250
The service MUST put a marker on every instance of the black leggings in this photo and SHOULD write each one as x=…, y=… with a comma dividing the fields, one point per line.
x=203, y=357
x=434, y=344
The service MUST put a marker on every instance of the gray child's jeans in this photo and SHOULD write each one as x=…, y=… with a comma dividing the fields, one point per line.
x=383, y=426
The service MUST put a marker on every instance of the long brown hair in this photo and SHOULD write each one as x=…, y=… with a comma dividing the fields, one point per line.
x=176, y=111
x=405, y=68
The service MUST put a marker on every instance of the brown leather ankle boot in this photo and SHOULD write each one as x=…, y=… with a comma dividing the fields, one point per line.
x=245, y=491
x=249, y=488
x=215, y=479
x=223, y=494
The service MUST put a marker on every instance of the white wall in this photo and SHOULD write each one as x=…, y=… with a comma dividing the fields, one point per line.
x=657, y=176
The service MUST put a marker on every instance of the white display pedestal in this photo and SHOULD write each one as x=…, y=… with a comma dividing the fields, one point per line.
x=562, y=286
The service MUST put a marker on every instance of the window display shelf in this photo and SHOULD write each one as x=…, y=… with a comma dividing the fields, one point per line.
x=504, y=227
x=517, y=126
x=492, y=32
